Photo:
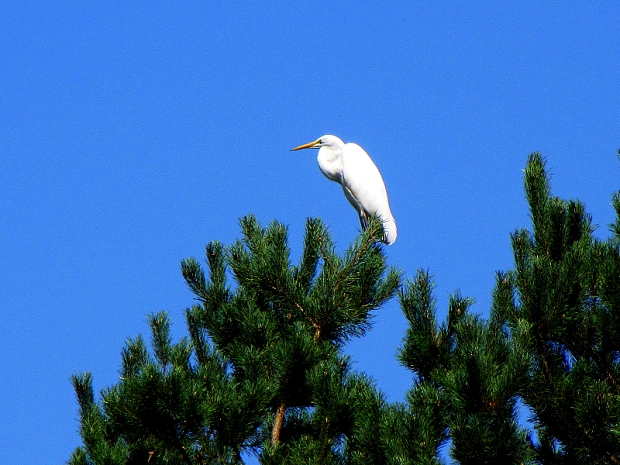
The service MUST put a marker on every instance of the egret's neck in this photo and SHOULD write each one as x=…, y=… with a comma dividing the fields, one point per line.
x=330, y=163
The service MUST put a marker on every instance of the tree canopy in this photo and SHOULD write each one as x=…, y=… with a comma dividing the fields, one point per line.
x=262, y=371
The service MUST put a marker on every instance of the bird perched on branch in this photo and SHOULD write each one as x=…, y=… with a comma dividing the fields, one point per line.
x=351, y=167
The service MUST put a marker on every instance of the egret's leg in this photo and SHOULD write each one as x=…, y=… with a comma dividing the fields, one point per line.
x=363, y=219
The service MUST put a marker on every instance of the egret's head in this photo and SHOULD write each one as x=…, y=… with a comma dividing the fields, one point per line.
x=328, y=140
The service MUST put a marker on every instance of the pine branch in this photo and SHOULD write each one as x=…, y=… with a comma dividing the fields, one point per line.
x=277, y=425
x=160, y=327
x=83, y=385
x=615, y=226
x=307, y=269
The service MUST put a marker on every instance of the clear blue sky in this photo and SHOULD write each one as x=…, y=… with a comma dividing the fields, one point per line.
x=133, y=134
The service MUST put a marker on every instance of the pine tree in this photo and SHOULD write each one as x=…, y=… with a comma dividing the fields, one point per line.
x=566, y=289
x=474, y=369
x=263, y=372
x=552, y=340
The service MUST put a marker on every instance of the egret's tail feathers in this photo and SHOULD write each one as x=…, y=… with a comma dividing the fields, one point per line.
x=389, y=231
x=389, y=227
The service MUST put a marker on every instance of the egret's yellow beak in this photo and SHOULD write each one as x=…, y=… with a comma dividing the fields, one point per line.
x=309, y=145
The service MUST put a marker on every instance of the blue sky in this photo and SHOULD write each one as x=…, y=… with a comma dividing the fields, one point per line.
x=133, y=134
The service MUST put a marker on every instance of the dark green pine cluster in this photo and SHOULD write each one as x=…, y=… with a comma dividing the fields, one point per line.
x=566, y=290
x=552, y=341
x=263, y=373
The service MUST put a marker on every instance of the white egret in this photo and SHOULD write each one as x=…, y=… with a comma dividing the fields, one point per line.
x=351, y=167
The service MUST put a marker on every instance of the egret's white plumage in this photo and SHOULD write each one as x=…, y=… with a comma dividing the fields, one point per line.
x=351, y=167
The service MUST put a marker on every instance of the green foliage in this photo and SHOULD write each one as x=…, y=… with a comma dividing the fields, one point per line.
x=262, y=371
x=552, y=340
x=566, y=290
x=474, y=370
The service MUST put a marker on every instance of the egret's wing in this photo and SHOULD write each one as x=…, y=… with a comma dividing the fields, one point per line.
x=362, y=180
x=364, y=187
